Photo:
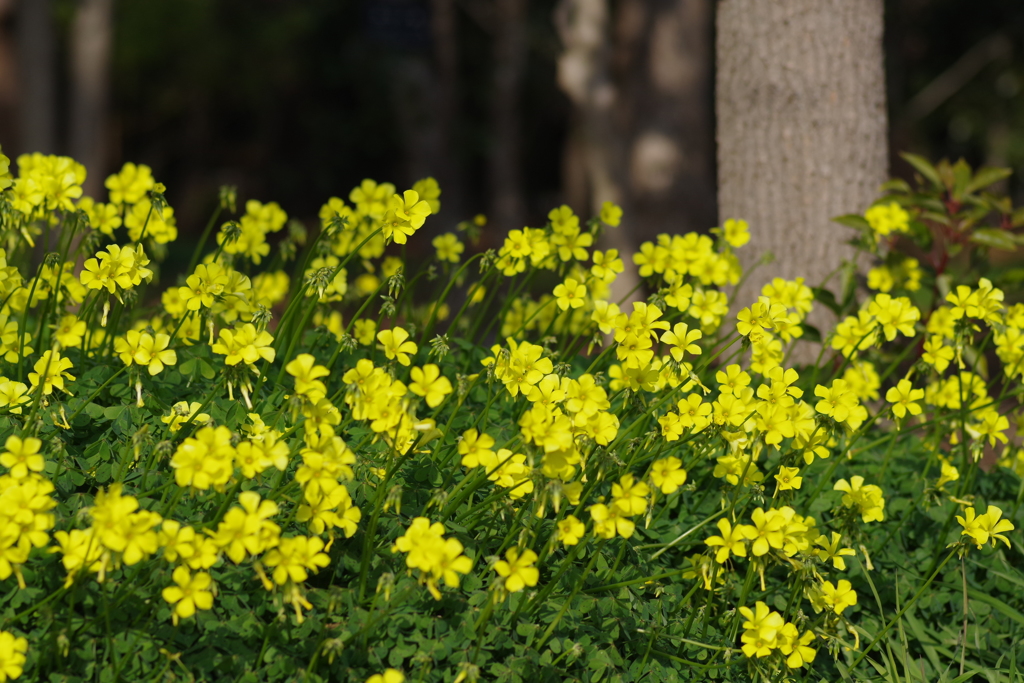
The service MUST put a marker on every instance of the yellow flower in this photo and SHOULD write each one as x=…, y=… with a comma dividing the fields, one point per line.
x=182, y=412
x=371, y=198
x=12, y=656
x=148, y=350
x=246, y=344
x=405, y=214
x=69, y=331
x=903, y=396
x=518, y=570
x=894, y=314
x=830, y=550
x=22, y=456
x=146, y=220
x=51, y=371
x=867, y=499
x=694, y=413
x=203, y=285
x=307, y=375
x=389, y=676
x=130, y=184
x=563, y=219
x=295, y=557
x=989, y=424
x=985, y=528
x=431, y=384
x=838, y=597
x=736, y=232
x=668, y=474
x=205, y=459
x=947, y=474
x=837, y=401
x=629, y=497
x=364, y=331
x=395, y=345
x=768, y=530
x=760, y=630
x=570, y=530
x=888, y=218
x=570, y=294
x=788, y=478
x=429, y=191
x=448, y=247
x=609, y=521
x=607, y=265
x=732, y=540
x=796, y=647
x=682, y=339
x=611, y=214
x=189, y=593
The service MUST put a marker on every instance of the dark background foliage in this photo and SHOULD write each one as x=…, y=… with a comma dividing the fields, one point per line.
x=296, y=101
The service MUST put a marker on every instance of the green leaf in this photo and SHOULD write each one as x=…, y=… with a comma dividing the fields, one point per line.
x=985, y=177
x=936, y=217
x=853, y=220
x=994, y=238
x=97, y=452
x=826, y=297
x=113, y=412
x=207, y=370
x=811, y=333
x=848, y=284
x=961, y=176
x=896, y=185
x=1017, y=218
x=922, y=166
x=527, y=630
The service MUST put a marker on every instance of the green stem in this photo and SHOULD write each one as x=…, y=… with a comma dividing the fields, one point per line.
x=899, y=615
x=198, y=252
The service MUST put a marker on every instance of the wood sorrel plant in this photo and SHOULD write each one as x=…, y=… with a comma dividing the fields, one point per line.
x=298, y=465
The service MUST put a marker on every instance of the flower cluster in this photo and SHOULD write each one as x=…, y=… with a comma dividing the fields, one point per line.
x=437, y=558
x=522, y=442
x=766, y=632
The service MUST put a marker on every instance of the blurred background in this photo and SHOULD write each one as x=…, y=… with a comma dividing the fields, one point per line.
x=298, y=100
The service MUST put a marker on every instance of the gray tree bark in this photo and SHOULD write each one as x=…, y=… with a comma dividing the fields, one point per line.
x=508, y=204
x=444, y=32
x=663, y=61
x=91, y=39
x=9, y=86
x=584, y=74
x=642, y=133
x=38, y=76
x=801, y=129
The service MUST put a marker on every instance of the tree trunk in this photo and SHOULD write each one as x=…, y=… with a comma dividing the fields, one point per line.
x=508, y=208
x=662, y=61
x=444, y=33
x=801, y=129
x=584, y=75
x=91, y=38
x=9, y=112
x=38, y=75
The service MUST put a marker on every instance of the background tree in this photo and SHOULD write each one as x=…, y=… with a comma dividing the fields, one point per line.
x=297, y=101
x=37, y=76
x=91, y=38
x=641, y=131
x=801, y=116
